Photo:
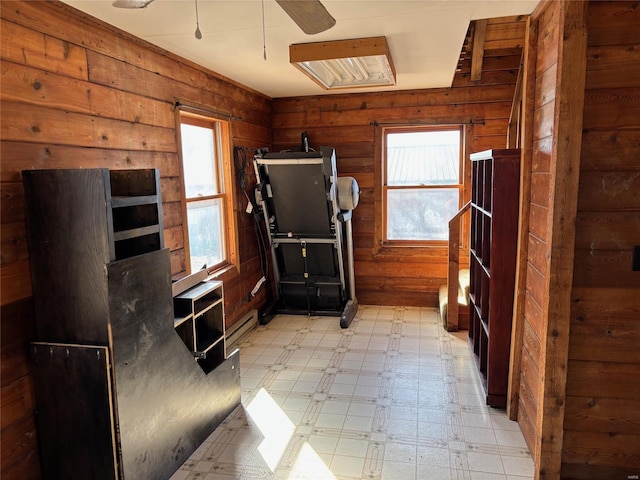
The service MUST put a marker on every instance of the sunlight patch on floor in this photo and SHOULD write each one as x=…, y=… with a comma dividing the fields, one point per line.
x=273, y=424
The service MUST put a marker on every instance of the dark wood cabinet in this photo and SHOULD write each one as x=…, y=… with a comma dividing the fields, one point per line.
x=493, y=244
x=118, y=393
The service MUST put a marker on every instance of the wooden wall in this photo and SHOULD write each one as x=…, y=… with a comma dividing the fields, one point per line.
x=602, y=414
x=553, y=120
x=540, y=94
x=79, y=94
x=404, y=276
x=577, y=392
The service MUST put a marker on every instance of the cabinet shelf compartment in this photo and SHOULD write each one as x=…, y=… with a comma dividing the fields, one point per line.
x=137, y=245
x=209, y=328
x=214, y=357
x=134, y=216
x=196, y=299
x=185, y=331
x=488, y=183
x=134, y=183
x=136, y=211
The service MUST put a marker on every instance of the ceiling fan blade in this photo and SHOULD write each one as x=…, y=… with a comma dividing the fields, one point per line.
x=310, y=15
x=131, y=3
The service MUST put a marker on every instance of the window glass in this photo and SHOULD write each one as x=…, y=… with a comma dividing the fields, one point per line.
x=422, y=182
x=206, y=237
x=198, y=157
x=418, y=214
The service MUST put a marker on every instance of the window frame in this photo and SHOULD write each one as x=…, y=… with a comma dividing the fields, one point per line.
x=225, y=185
x=382, y=242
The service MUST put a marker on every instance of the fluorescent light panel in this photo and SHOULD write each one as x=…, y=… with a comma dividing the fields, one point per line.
x=361, y=62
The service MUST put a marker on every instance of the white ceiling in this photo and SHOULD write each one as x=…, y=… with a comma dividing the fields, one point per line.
x=425, y=36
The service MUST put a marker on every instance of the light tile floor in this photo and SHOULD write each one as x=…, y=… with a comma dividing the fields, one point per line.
x=393, y=397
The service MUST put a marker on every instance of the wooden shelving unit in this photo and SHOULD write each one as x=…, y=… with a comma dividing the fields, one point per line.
x=494, y=226
x=118, y=395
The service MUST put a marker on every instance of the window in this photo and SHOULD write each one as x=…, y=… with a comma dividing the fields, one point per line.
x=422, y=183
x=206, y=192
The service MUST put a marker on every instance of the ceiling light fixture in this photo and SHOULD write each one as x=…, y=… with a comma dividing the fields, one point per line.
x=356, y=63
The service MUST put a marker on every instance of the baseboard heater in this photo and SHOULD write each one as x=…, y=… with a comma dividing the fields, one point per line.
x=240, y=329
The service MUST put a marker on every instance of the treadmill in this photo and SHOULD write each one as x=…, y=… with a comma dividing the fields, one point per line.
x=307, y=212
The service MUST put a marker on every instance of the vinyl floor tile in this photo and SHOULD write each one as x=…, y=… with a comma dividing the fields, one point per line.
x=394, y=397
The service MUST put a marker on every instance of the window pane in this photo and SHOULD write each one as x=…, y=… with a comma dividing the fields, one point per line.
x=206, y=236
x=198, y=156
x=420, y=214
x=423, y=158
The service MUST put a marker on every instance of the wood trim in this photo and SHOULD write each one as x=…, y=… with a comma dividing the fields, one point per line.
x=453, y=271
x=224, y=150
x=379, y=226
x=477, y=52
x=183, y=203
x=569, y=107
x=528, y=95
x=359, y=47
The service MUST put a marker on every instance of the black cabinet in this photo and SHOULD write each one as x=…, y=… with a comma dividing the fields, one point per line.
x=118, y=393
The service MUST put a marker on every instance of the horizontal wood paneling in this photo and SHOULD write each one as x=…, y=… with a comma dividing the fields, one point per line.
x=540, y=189
x=61, y=156
x=602, y=419
x=534, y=319
x=612, y=107
x=607, y=230
x=611, y=268
x=610, y=190
x=80, y=94
x=612, y=67
x=43, y=125
x=31, y=85
x=602, y=449
x=604, y=324
x=32, y=48
x=594, y=414
x=613, y=23
x=595, y=472
x=617, y=150
x=19, y=451
x=528, y=394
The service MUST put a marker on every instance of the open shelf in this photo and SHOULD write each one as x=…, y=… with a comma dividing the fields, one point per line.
x=136, y=212
x=494, y=221
x=199, y=321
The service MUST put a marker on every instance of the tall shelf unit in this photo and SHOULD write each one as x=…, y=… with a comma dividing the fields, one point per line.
x=118, y=393
x=494, y=226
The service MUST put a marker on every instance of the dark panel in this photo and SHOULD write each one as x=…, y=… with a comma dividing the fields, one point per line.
x=322, y=259
x=167, y=405
x=74, y=411
x=300, y=199
x=68, y=239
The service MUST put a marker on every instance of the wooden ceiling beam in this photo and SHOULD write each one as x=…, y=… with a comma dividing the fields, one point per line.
x=477, y=52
